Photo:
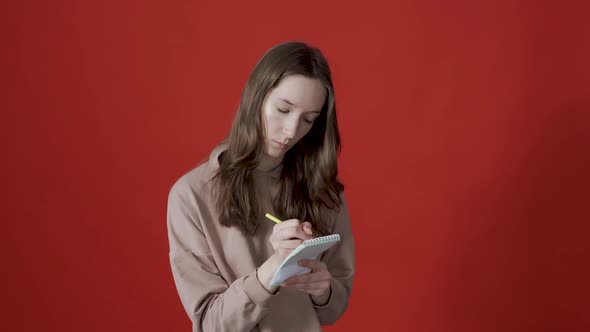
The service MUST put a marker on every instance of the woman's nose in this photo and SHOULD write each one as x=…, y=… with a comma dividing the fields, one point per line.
x=290, y=128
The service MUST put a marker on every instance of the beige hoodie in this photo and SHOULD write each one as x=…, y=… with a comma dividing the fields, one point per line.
x=214, y=267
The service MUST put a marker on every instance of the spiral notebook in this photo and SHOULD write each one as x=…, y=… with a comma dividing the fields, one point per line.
x=309, y=249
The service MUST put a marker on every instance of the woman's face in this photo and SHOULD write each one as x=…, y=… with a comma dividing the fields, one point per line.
x=289, y=111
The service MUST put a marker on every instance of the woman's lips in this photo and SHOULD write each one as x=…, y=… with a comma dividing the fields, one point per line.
x=281, y=145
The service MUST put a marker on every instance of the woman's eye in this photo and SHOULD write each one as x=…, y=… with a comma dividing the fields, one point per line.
x=282, y=111
x=308, y=121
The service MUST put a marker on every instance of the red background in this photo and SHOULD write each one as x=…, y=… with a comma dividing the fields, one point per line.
x=466, y=133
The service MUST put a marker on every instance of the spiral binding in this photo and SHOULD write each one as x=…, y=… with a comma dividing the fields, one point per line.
x=322, y=239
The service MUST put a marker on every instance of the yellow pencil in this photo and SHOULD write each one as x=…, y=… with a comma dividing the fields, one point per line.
x=273, y=218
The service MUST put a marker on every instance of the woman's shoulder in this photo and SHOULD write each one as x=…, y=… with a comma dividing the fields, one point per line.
x=198, y=179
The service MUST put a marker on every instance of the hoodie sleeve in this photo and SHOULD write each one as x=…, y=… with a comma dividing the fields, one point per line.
x=340, y=262
x=211, y=302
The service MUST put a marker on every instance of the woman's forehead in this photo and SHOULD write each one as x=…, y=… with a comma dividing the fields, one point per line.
x=306, y=94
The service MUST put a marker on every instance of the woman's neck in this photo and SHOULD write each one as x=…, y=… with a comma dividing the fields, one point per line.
x=269, y=163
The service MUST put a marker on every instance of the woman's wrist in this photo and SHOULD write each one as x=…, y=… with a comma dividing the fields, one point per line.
x=266, y=271
x=323, y=299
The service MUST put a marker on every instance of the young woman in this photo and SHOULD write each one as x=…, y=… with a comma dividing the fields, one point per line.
x=280, y=158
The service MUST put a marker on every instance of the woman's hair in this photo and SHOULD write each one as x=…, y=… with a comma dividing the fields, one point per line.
x=308, y=178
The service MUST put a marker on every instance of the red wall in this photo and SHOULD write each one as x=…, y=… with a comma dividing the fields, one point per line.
x=466, y=133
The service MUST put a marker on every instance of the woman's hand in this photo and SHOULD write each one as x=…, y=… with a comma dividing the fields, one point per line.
x=285, y=237
x=288, y=235
x=316, y=283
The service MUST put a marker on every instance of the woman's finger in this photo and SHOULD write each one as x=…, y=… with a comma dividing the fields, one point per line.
x=292, y=232
x=314, y=265
x=313, y=277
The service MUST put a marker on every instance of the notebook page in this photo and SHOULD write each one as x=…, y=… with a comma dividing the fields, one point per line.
x=309, y=249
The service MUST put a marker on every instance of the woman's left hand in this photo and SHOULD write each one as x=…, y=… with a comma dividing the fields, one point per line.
x=316, y=283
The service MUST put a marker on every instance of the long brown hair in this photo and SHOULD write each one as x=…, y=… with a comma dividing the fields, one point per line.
x=308, y=178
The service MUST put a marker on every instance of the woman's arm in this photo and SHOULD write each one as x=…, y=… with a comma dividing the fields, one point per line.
x=340, y=263
x=211, y=303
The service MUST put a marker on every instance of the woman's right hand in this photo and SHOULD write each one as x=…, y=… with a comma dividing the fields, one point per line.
x=285, y=237
x=288, y=235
